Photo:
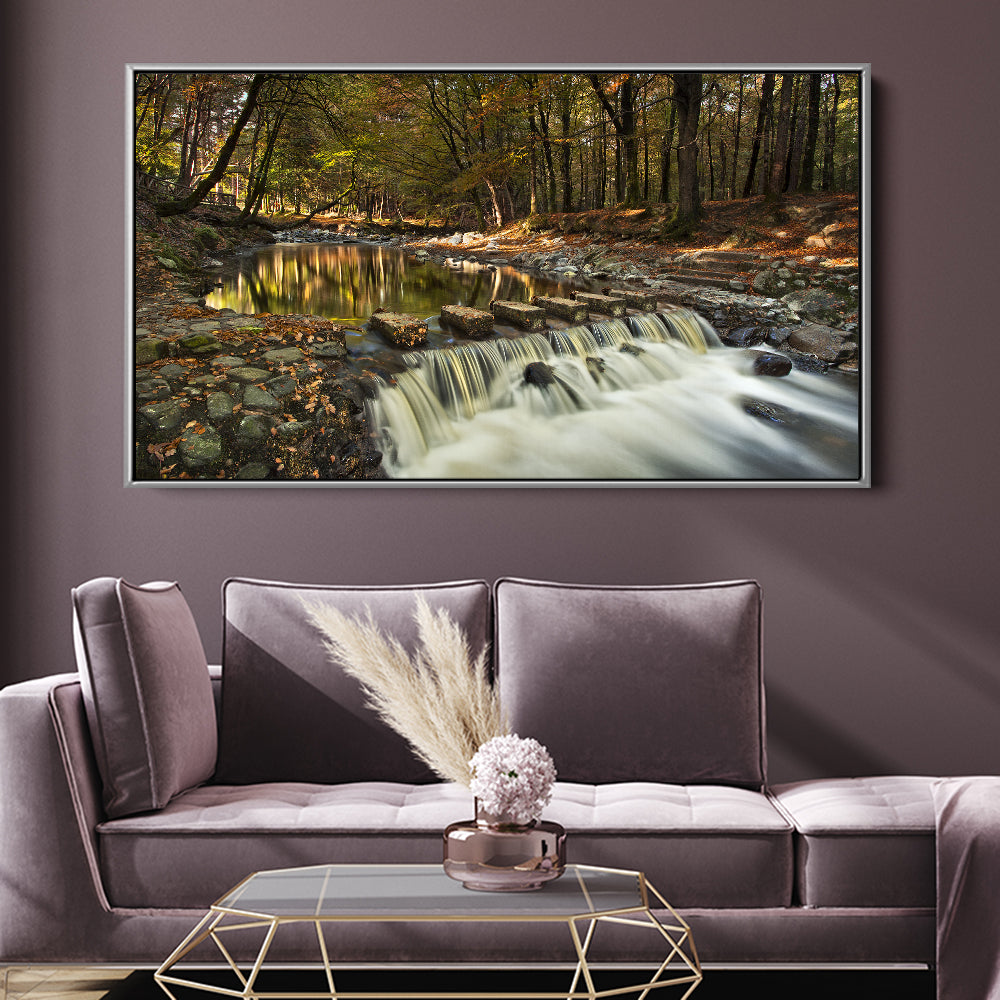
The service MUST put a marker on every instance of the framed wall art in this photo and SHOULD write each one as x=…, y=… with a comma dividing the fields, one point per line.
x=545, y=276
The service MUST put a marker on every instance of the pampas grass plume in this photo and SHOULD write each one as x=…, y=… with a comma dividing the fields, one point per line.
x=440, y=699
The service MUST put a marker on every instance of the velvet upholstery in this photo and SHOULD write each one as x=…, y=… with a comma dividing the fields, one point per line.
x=635, y=683
x=147, y=692
x=862, y=841
x=279, y=682
x=967, y=812
x=710, y=845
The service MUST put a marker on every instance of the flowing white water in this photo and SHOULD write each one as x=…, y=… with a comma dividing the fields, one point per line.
x=649, y=397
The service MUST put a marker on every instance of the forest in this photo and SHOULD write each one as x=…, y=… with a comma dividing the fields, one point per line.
x=480, y=149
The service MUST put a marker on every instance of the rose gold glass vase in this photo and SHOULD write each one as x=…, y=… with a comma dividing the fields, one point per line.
x=494, y=854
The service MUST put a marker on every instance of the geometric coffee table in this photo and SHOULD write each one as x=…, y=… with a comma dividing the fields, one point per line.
x=583, y=899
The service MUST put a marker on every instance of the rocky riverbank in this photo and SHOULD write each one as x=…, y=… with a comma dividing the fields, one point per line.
x=221, y=395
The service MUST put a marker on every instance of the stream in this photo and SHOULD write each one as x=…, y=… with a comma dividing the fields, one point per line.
x=653, y=397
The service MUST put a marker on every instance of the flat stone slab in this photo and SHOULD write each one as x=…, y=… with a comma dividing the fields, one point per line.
x=472, y=322
x=400, y=329
x=574, y=312
x=606, y=305
x=248, y=375
x=521, y=314
x=636, y=299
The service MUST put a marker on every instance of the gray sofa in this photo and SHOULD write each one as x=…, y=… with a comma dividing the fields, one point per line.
x=136, y=791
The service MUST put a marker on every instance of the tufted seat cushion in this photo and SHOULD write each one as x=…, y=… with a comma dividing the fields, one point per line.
x=707, y=845
x=863, y=841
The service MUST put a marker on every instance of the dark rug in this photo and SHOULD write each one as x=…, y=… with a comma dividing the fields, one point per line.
x=717, y=984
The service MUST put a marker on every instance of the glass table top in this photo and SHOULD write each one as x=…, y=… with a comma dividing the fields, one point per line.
x=401, y=892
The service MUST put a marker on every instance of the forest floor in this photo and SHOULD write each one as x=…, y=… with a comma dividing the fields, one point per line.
x=797, y=227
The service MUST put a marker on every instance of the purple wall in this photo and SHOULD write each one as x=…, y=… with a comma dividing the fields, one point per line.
x=880, y=605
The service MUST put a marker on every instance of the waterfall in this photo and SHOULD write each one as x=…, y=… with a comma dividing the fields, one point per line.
x=651, y=396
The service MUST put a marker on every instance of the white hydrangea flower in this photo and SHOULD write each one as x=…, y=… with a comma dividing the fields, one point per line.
x=513, y=777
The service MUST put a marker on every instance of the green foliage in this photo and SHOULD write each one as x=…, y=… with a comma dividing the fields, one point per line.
x=471, y=149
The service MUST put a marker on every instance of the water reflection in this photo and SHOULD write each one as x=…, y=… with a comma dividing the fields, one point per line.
x=349, y=282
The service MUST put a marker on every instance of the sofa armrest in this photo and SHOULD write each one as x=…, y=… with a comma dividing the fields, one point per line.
x=50, y=802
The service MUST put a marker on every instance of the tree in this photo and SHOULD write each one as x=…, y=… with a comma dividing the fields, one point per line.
x=776, y=177
x=812, y=134
x=624, y=119
x=763, y=111
x=197, y=196
x=687, y=97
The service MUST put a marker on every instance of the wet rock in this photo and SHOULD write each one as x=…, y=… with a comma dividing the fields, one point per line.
x=539, y=373
x=634, y=349
x=150, y=349
x=163, y=418
x=765, y=283
x=150, y=389
x=744, y=336
x=293, y=430
x=595, y=367
x=253, y=470
x=199, y=343
x=248, y=375
x=472, y=322
x=777, y=335
x=521, y=314
x=200, y=448
x=823, y=342
x=808, y=363
x=567, y=309
x=773, y=413
x=220, y=407
x=283, y=385
x=284, y=356
x=254, y=430
x=255, y=398
x=400, y=329
x=329, y=349
x=815, y=304
x=774, y=365
x=605, y=305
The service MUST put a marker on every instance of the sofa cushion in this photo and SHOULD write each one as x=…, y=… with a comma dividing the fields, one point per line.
x=635, y=683
x=146, y=689
x=704, y=846
x=288, y=713
x=863, y=841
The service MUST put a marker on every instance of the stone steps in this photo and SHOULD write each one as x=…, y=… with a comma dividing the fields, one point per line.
x=689, y=276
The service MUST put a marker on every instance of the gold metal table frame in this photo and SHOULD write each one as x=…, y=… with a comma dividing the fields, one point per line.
x=679, y=968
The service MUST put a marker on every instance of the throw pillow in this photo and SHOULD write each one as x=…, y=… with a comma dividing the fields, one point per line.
x=289, y=714
x=147, y=692
x=657, y=683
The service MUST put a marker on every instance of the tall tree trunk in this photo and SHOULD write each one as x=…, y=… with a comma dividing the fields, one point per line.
x=624, y=119
x=798, y=136
x=666, y=154
x=736, y=140
x=766, y=96
x=566, y=153
x=812, y=133
x=687, y=95
x=222, y=161
x=776, y=177
x=829, y=145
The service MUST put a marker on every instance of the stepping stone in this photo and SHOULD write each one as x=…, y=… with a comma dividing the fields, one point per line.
x=636, y=299
x=472, y=322
x=567, y=309
x=520, y=314
x=249, y=375
x=606, y=305
x=400, y=329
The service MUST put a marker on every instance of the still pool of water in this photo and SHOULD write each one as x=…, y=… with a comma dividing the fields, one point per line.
x=348, y=282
